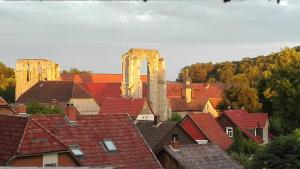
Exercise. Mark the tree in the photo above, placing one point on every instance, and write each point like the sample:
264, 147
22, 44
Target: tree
37, 108
282, 88
7, 83
175, 117
241, 96
282, 152
74, 70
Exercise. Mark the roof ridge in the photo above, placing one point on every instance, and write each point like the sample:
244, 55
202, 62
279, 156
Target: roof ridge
23, 135
144, 140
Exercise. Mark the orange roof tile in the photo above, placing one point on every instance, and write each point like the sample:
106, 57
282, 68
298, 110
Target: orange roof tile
96, 78
133, 107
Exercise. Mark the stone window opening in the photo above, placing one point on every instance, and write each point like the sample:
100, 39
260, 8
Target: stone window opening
229, 131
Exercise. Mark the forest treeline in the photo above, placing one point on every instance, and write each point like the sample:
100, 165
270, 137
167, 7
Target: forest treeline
264, 83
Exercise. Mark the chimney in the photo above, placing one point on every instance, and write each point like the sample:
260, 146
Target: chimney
20, 109
175, 142
54, 102
207, 85
71, 113
187, 88
155, 120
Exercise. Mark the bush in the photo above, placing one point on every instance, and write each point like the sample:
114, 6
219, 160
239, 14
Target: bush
37, 108
176, 117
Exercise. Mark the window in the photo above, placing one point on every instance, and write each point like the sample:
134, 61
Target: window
50, 160
229, 131
75, 149
175, 137
50, 165
109, 145
28, 72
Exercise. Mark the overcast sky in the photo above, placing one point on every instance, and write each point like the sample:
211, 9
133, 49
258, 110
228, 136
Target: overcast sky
94, 35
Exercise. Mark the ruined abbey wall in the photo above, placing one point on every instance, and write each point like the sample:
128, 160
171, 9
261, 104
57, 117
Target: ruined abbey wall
132, 84
30, 71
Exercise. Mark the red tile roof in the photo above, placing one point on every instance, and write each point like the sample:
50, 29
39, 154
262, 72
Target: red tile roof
211, 129
181, 104
133, 107
36, 139
91, 129
199, 90
11, 129
2, 102
100, 91
96, 78
215, 101
246, 121
41, 133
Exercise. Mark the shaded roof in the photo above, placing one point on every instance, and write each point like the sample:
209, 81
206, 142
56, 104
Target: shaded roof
46, 91
153, 134
246, 121
3, 102
133, 107
96, 78
202, 156
11, 129
199, 90
51, 133
211, 129
178, 104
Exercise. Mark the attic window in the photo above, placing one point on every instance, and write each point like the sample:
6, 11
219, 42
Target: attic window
76, 150
109, 145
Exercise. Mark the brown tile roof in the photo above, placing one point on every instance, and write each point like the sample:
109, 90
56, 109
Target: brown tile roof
211, 129
45, 91
205, 156
41, 133
178, 104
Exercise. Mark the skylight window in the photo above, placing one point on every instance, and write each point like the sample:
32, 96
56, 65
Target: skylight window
76, 150
109, 145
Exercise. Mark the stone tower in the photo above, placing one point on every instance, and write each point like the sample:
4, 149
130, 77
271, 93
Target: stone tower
132, 84
30, 71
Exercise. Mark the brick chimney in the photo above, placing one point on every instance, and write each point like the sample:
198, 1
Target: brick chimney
20, 109
175, 142
71, 112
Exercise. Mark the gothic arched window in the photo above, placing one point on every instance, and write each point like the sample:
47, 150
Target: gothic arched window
28, 72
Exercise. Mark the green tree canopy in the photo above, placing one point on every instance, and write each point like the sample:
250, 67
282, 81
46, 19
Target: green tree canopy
7, 83
282, 152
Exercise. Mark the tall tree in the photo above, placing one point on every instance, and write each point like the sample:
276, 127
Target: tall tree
7, 83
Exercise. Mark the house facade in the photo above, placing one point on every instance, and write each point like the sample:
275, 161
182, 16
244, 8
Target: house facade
255, 126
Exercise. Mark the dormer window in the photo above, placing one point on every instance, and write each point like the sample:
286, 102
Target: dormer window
75, 149
109, 145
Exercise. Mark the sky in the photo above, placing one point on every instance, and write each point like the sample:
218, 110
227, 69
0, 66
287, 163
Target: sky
93, 35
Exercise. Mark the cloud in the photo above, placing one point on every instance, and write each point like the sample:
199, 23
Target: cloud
94, 35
